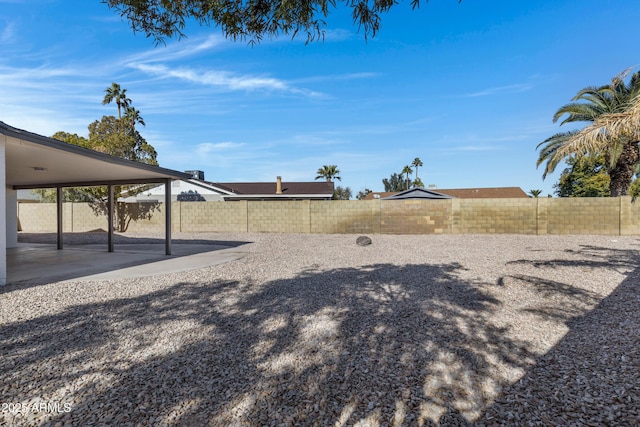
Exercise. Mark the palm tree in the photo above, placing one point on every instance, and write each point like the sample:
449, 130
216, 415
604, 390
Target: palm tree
329, 172
535, 193
417, 183
417, 163
119, 96
407, 170
614, 130
134, 116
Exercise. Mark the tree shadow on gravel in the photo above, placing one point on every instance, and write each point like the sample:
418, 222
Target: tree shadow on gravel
382, 344
597, 257
591, 376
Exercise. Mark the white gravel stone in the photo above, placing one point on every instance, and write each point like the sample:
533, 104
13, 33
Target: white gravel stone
316, 330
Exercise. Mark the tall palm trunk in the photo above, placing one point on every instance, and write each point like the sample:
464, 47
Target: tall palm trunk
622, 173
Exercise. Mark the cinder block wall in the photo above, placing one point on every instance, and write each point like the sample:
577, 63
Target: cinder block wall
629, 217
583, 216
507, 216
415, 216
609, 216
80, 218
37, 217
213, 216
345, 216
278, 216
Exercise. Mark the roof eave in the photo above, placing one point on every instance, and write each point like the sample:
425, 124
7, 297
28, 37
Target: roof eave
34, 138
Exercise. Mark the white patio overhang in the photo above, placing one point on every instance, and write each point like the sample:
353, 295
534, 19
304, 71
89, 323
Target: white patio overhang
32, 161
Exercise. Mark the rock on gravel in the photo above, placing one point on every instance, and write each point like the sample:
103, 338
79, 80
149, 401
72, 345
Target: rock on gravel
363, 241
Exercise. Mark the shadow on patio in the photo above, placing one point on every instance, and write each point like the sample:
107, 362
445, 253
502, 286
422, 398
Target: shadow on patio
85, 257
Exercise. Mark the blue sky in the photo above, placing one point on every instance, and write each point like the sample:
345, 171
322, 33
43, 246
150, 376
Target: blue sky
469, 88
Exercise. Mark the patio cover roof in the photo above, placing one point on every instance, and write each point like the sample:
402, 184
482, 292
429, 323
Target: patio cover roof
36, 161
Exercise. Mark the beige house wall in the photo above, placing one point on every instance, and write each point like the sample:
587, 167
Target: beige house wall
608, 216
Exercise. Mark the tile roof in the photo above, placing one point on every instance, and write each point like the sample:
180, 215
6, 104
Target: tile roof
419, 193
269, 188
468, 193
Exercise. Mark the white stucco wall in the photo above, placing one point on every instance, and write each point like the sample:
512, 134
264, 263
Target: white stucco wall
12, 218
3, 211
177, 187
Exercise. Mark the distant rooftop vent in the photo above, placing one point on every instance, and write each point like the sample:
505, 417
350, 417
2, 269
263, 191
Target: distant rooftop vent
432, 187
196, 174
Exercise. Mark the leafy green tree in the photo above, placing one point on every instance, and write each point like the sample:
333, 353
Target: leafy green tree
133, 115
72, 138
612, 112
395, 182
328, 172
416, 164
407, 171
117, 137
341, 193
115, 93
635, 188
585, 176
363, 194
248, 19
417, 183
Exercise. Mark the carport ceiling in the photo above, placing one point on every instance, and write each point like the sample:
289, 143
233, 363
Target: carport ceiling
34, 161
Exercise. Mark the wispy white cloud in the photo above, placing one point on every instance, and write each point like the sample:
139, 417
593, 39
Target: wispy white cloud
179, 50
155, 62
7, 33
337, 34
208, 147
48, 98
515, 88
222, 79
471, 148
313, 140
337, 77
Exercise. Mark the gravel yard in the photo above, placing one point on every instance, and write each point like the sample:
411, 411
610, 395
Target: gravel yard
315, 330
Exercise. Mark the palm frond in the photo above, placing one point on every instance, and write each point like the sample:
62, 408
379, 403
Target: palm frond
614, 113
577, 112
625, 124
549, 150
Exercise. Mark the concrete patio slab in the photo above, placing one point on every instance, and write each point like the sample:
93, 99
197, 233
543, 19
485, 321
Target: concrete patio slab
39, 263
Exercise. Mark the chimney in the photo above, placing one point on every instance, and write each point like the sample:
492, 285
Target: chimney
278, 185
196, 174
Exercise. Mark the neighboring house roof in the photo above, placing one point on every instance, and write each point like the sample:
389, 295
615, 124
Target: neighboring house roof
418, 193
466, 193
206, 185
486, 193
264, 190
196, 185
269, 188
